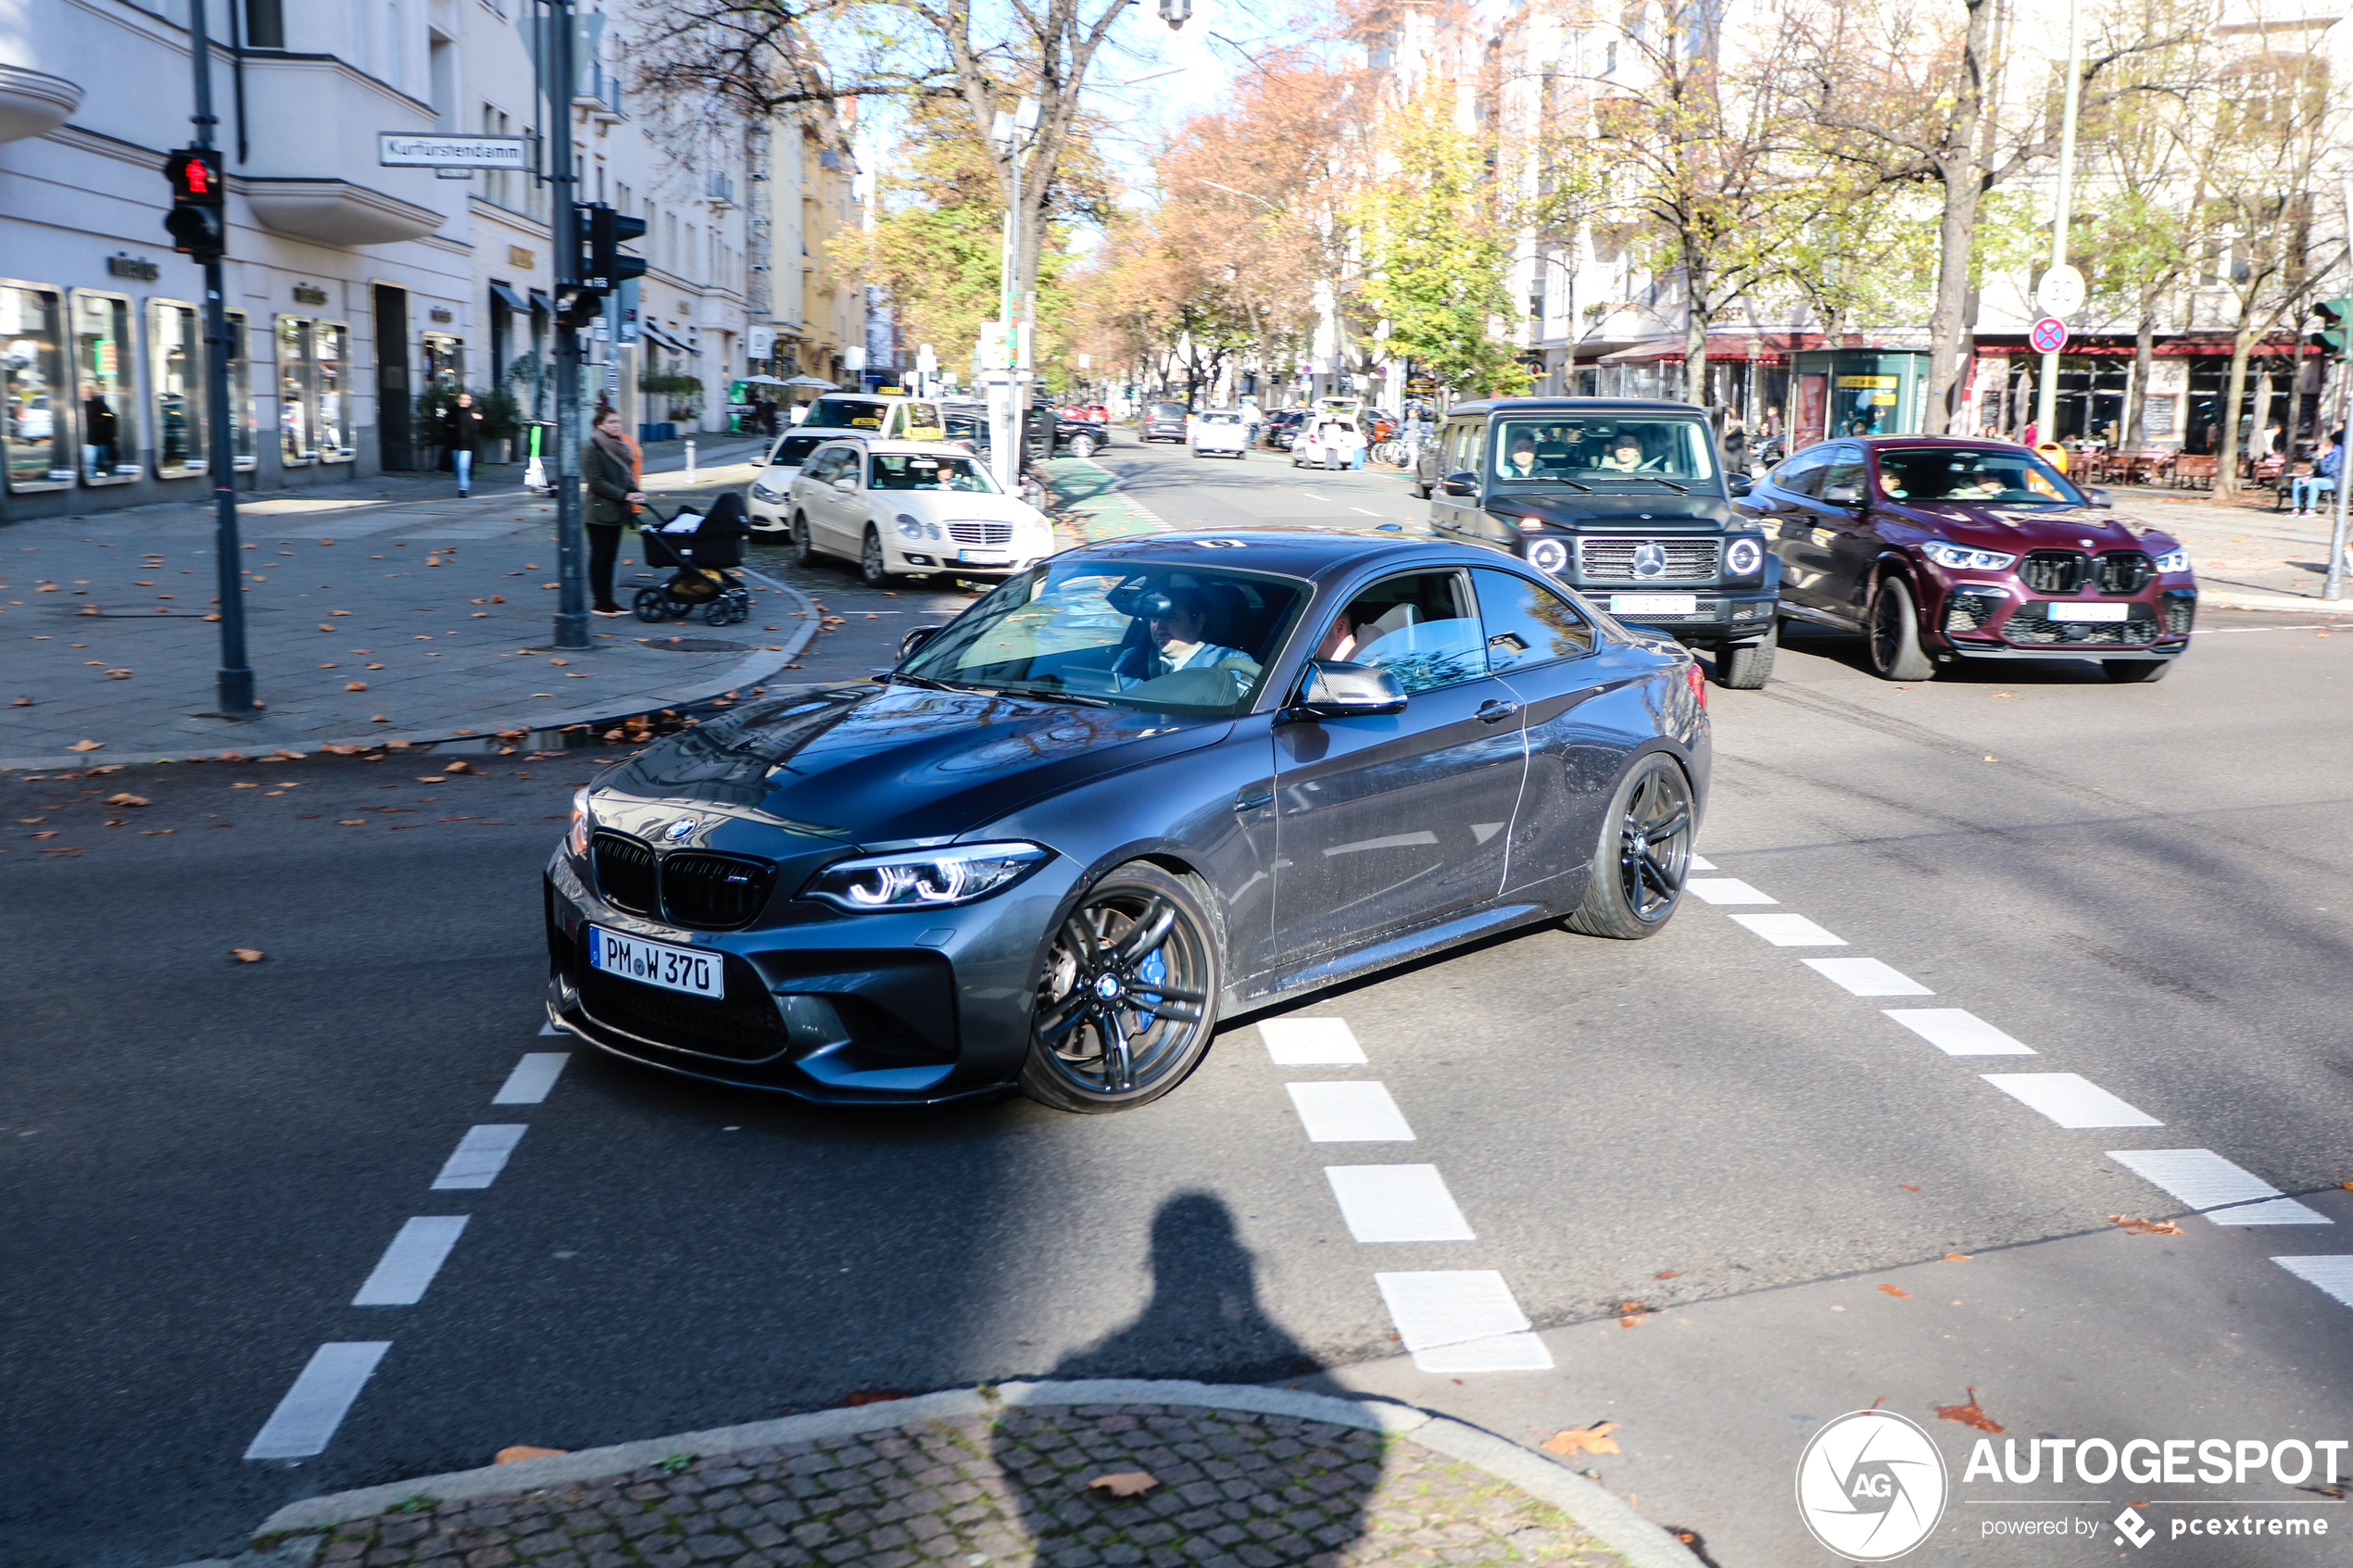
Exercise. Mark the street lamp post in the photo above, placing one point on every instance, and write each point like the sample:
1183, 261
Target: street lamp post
1006, 436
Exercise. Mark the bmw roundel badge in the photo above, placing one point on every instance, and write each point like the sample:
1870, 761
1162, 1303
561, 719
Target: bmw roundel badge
679, 828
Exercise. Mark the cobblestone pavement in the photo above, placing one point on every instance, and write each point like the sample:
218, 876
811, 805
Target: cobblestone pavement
1255, 1491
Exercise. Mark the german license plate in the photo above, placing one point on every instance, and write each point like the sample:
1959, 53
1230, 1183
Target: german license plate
985, 557
1652, 604
657, 964
2091, 612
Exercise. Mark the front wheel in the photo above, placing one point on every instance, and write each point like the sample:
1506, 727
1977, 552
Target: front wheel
801, 551
1126, 995
1082, 446
651, 605
1895, 634
1747, 666
872, 570
2124, 671
1643, 856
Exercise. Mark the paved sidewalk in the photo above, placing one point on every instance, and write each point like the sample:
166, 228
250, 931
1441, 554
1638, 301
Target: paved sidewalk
1054, 1476
385, 610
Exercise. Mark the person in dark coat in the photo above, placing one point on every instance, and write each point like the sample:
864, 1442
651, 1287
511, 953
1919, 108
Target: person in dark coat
610, 465
99, 432
460, 436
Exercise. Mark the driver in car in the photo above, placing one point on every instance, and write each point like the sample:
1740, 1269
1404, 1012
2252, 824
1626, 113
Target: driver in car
1177, 622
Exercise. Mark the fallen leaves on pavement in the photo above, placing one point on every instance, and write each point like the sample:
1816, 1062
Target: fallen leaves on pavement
1963, 1257
247, 955
2146, 1227
1125, 1483
85, 746
1970, 1414
1904, 1295
876, 1396
127, 798
525, 1451
1669, 1274
1593, 1439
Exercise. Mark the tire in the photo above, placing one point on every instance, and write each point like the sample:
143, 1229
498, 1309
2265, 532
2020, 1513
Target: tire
801, 551
1895, 634
1093, 1049
652, 606
1746, 667
2135, 672
1643, 856
1082, 446
873, 567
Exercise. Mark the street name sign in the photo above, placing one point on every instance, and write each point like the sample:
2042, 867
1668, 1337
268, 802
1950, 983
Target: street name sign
396, 149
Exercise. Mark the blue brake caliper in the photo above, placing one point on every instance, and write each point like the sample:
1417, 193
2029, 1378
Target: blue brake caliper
1153, 968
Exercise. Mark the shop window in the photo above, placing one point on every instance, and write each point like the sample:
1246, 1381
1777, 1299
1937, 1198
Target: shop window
330, 410
445, 361
105, 388
297, 442
244, 425
36, 420
175, 387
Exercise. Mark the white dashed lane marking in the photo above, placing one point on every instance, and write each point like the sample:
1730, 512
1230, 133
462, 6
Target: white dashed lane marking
2333, 1275
1728, 890
306, 1419
1397, 1203
1957, 1032
2069, 1099
2223, 1192
1790, 931
1311, 1042
410, 1264
531, 1080
479, 1157
1867, 977
1349, 1112
1702, 863
1461, 1320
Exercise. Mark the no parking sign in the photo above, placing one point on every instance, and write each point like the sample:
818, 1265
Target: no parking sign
2049, 336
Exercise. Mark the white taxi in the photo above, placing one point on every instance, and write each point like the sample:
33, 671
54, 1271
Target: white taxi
912, 508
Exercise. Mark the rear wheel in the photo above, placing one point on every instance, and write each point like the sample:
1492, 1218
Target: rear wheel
1895, 634
1126, 996
1644, 854
801, 551
1747, 666
2135, 670
872, 567
1082, 446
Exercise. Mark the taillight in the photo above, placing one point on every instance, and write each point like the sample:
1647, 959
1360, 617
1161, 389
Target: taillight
1697, 681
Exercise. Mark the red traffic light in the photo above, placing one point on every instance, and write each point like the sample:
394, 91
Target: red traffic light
195, 173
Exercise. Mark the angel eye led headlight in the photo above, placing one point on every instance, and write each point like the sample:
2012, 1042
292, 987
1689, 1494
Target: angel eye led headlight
1742, 558
2174, 560
1961, 558
1548, 556
925, 878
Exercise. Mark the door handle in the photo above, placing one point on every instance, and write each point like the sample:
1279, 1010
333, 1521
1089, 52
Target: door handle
1252, 797
1494, 710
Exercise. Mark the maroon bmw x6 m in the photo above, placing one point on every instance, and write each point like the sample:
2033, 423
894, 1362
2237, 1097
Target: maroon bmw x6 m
1941, 550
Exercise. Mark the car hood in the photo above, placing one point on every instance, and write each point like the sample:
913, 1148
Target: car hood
945, 504
1649, 509
2018, 528
875, 766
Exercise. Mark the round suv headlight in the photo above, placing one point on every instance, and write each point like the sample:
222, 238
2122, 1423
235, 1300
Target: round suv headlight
925, 878
1744, 557
1548, 556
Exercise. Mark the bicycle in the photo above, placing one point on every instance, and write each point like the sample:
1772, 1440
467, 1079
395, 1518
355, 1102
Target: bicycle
1394, 454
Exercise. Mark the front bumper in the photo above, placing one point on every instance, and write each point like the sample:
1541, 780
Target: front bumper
1998, 620
1717, 616
909, 1007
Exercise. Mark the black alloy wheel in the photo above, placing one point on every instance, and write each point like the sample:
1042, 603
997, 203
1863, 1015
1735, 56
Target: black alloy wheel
1126, 996
651, 604
872, 568
1644, 857
2123, 670
1896, 654
802, 551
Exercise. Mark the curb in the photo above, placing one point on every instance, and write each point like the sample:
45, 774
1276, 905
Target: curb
2277, 602
749, 671
1597, 1510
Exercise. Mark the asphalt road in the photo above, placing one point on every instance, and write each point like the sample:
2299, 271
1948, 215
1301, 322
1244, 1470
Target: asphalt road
2146, 885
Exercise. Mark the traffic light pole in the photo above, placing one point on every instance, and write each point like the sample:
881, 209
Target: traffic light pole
572, 543
233, 683
2332, 586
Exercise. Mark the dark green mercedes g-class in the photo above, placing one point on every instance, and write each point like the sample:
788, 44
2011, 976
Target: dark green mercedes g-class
1625, 500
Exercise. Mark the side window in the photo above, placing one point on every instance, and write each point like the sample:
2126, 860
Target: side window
1802, 472
819, 466
1527, 624
1842, 480
1465, 444
1420, 628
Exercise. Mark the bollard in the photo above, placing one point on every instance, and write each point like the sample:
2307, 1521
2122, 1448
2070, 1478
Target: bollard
690, 461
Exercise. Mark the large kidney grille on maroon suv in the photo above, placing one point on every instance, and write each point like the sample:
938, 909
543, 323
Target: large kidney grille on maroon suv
1941, 550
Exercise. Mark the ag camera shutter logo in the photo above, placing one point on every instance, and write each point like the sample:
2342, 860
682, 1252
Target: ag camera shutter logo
1870, 1486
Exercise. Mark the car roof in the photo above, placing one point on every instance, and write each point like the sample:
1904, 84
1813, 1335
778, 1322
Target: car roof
1314, 553
1575, 406
1887, 443
895, 448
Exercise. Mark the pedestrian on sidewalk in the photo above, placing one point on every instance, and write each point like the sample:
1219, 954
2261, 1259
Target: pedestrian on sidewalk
610, 467
98, 433
460, 434
2307, 489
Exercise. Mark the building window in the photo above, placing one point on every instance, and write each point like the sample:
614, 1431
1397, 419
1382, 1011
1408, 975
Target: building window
298, 441
444, 362
36, 421
175, 387
265, 24
104, 391
245, 426
330, 390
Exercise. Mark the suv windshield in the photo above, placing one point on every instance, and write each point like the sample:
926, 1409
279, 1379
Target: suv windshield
847, 413
2009, 476
1611, 447
1161, 638
793, 450
900, 470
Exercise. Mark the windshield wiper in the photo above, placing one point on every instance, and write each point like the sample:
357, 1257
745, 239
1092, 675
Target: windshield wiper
1678, 489
896, 677
1049, 694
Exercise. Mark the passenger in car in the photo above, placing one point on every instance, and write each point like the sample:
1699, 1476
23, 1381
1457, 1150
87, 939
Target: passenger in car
1625, 455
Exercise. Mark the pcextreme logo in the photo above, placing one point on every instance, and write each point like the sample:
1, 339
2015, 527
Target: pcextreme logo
1870, 1486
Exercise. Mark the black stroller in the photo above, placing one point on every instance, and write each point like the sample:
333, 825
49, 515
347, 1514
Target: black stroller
698, 557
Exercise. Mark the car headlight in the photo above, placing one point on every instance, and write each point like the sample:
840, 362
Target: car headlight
1548, 556
1960, 558
911, 525
925, 878
2174, 560
761, 492
1743, 558
584, 822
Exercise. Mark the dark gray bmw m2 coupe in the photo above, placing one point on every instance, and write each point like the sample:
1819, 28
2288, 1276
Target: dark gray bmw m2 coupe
1142, 783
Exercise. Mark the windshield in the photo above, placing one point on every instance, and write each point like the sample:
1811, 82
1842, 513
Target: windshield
1161, 638
847, 413
1165, 411
1591, 451
898, 471
1221, 417
2009, 476
794, 450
